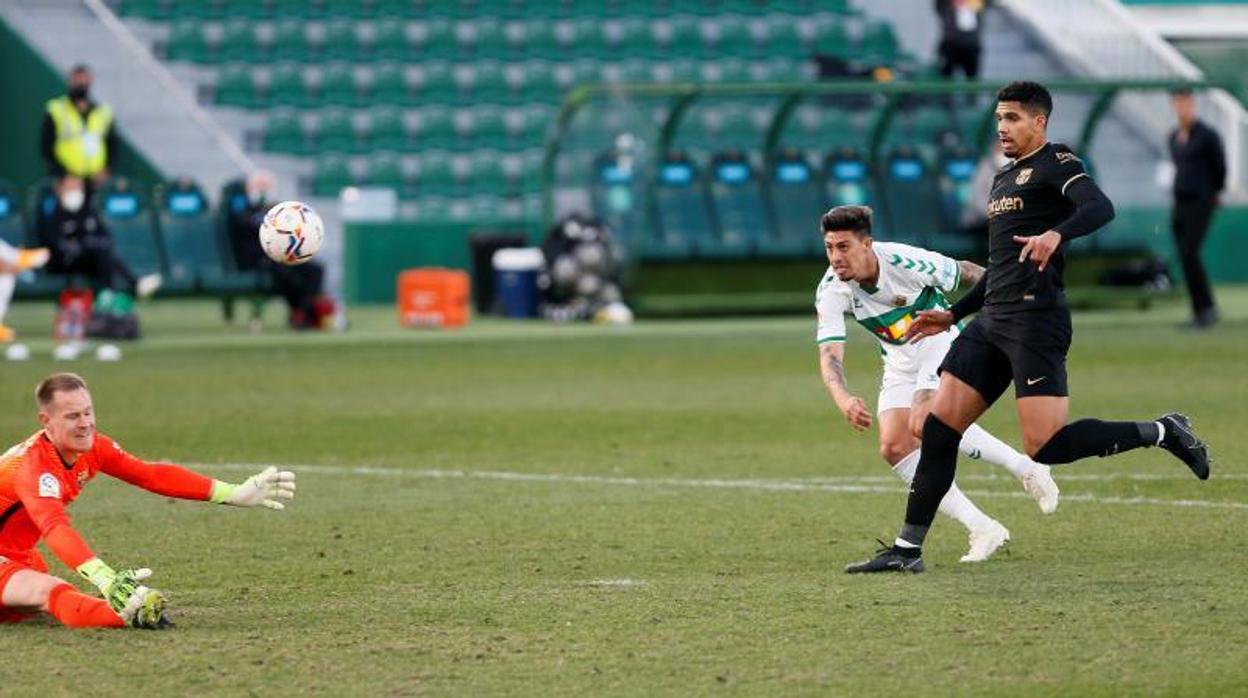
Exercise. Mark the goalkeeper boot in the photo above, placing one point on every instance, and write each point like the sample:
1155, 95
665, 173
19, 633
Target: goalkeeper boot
890, 558
1181, 441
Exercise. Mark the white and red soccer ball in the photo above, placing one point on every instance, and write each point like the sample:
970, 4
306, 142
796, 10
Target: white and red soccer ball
291, 233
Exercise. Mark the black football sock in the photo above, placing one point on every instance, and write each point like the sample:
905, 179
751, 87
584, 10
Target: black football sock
1093, 437
938, 460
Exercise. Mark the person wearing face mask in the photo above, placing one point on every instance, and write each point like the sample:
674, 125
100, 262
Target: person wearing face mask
300, 286
79, 243
79, 137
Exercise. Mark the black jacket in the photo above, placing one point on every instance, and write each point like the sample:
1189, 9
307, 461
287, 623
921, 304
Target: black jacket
1199, 164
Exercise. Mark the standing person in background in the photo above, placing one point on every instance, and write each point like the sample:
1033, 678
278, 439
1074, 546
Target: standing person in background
78, 135
961, 29
1199, 175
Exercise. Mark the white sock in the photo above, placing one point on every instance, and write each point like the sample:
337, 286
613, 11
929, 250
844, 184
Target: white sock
978, 443
1161, 428
6, 292
8, 253
955, 504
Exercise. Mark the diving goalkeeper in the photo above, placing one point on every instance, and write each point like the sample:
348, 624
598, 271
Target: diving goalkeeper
42, 475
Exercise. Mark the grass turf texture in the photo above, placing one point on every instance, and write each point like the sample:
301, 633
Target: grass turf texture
390, 581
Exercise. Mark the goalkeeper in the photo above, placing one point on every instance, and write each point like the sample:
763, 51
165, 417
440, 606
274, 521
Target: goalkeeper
42, 475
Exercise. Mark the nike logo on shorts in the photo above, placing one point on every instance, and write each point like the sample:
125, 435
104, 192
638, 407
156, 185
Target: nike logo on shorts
1033, 381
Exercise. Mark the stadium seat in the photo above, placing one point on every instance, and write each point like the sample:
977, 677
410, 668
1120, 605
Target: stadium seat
186, 42
435, 84
236, 88
878, 44
332, 174
911, 197
485, 174
384, 170
740, 213
849, 179
287, 87
390, 86
796, 198
291, 41
249, 9
335, 133
240, 43
338, 88
386, 130
435, 176
339, 42
191, 245
617, 195
126, 214
385, 42
435, 129
682, 211
283, 133
956, 170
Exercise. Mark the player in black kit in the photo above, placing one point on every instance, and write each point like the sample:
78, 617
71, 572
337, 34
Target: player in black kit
1022, 330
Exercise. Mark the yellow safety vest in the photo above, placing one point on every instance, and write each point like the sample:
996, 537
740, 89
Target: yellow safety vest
80, 147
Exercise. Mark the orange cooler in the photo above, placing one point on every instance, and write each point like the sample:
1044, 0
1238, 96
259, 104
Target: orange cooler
433, 297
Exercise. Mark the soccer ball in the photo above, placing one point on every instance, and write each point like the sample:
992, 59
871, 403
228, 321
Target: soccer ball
291, 233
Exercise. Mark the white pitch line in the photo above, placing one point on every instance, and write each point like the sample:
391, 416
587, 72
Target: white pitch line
767, 485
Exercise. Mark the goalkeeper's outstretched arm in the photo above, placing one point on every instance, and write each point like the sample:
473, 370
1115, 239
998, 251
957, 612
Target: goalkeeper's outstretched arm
269, 488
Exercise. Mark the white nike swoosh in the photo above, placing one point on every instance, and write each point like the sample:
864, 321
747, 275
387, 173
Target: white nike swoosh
1033, 381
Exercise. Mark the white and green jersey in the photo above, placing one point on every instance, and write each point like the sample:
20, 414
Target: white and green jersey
911, 279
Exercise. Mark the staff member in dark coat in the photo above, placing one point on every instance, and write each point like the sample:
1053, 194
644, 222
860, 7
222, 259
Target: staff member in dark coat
1199, 175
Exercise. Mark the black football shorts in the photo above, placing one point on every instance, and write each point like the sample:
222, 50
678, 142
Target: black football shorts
1027, 348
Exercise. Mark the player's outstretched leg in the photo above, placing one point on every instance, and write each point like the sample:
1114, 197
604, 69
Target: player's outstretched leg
986, 534
1036, 478
1093, 437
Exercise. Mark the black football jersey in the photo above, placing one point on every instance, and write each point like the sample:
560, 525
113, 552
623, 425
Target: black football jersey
1028, 198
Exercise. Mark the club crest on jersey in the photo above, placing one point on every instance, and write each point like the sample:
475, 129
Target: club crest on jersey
899, 301
82, 478
49, 486
1023, 176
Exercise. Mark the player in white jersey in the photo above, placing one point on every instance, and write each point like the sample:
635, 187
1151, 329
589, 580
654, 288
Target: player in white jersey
884, 286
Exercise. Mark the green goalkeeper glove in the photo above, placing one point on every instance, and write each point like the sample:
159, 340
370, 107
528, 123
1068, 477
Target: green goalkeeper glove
122, 590
262, 489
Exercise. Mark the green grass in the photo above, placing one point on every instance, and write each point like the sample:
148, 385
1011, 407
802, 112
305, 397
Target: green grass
390, 581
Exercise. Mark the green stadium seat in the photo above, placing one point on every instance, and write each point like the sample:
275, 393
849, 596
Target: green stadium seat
335, 133
676, 37
291, 41
302, 9
480, 38
479, 82
436, 84
911, 196
485, 174
744, 7
250, 9
236, 88
390, 86
126, 214
725, 70
849, 180
432, 39
338, 87
794, 192
955, 170
157, 10
682, 211
187, 42
386, 130
783, 37
576, 37
620, 39
387, 42
674, 72
384, 170
736, 196
283, 133
350, 9
435, 176
538, 38
195, 260
287, 87
333, 173
339, 42
728, 35
202, 10
435, 129
831, 38
240, 43
878, 44
486, 128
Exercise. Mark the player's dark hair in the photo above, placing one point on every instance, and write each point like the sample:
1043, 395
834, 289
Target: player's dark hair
853, 218
80, 68
1032, 95
57, 383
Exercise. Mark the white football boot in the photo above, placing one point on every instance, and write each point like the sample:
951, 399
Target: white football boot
986, 541
1038, 482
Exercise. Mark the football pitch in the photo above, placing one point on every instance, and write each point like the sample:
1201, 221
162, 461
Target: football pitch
662, 509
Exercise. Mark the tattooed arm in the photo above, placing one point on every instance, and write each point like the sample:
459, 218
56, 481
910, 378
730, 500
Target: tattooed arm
971, 273
832, 368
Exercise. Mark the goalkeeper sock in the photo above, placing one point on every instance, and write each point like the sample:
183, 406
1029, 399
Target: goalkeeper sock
77, 610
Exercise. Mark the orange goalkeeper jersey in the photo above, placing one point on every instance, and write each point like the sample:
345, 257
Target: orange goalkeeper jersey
36, 486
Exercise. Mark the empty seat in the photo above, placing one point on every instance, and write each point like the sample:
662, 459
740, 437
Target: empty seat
682, 211
333, 173
283, 133
126, 214
796, 199
736, 196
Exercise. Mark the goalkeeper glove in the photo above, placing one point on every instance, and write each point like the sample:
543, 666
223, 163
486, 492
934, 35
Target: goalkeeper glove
121, 589
262, 489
